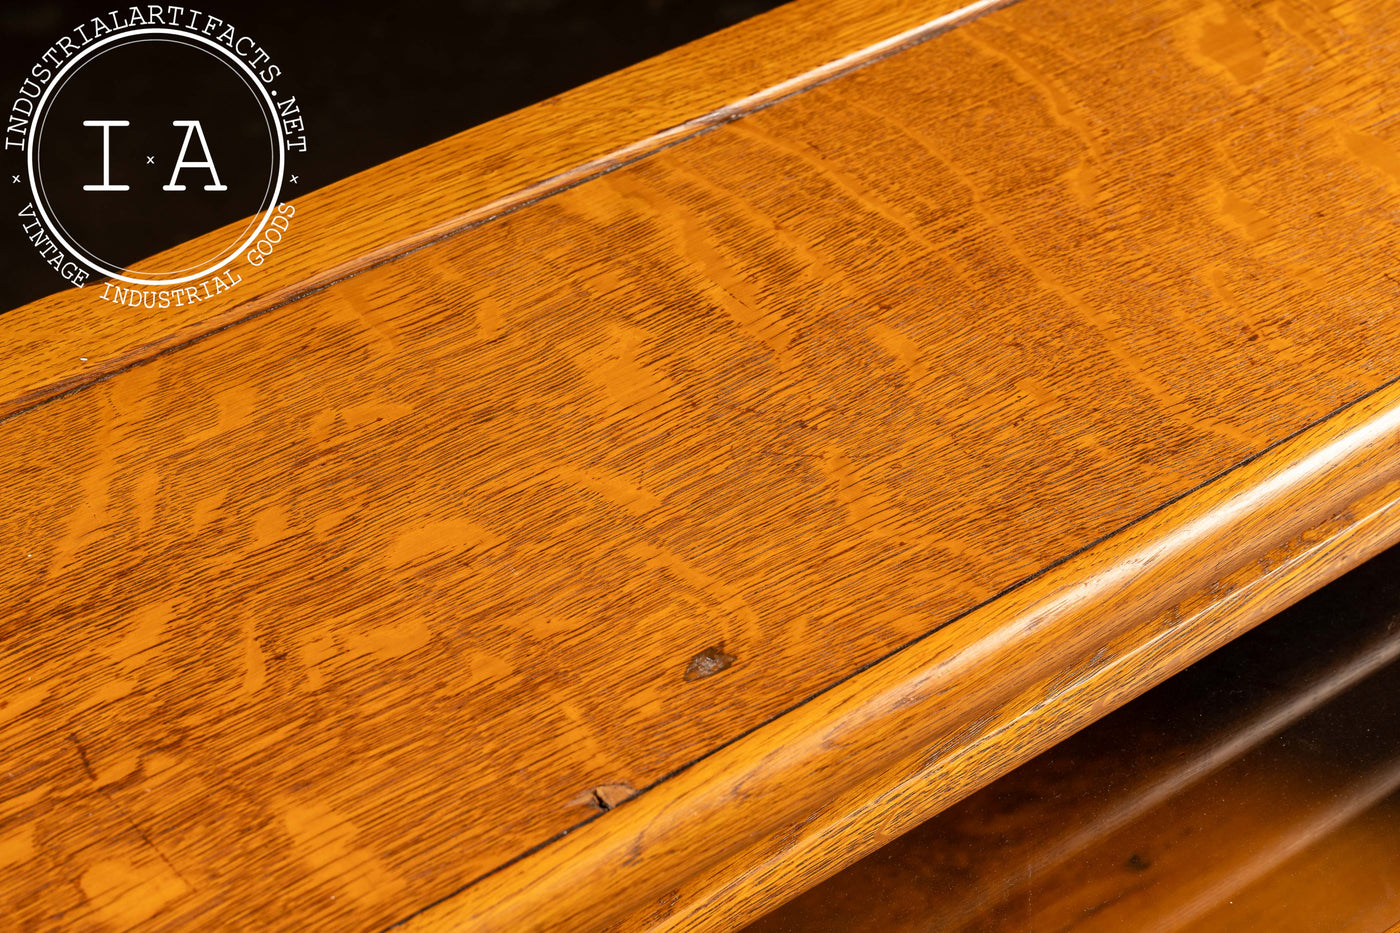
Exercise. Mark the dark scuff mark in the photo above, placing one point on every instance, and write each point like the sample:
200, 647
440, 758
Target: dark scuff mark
709, 663
135, 827
82, 756
1138, 863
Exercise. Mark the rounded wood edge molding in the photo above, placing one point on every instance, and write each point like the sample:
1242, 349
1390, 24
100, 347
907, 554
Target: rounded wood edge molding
73, 338
966, 702
856, 822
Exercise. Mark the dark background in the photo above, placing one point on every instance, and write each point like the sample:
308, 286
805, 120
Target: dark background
376, 80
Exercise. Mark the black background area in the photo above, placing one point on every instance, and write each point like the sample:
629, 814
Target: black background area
376, 80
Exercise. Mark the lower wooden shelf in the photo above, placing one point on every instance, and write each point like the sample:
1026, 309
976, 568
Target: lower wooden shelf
1257, 790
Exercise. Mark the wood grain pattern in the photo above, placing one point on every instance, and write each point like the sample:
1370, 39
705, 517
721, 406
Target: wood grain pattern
1233, 797
74, 338
956, 400
894, 801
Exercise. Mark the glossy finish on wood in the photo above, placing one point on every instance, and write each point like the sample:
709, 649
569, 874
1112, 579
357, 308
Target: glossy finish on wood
646, 554
1255, 791
73, 339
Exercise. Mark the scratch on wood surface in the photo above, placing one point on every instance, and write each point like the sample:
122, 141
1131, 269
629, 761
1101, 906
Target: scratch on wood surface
709, 663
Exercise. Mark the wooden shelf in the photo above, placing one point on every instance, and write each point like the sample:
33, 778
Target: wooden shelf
631, 512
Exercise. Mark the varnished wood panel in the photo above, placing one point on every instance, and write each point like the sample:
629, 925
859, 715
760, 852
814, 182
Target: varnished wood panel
1256, 791
723, 500
74, 338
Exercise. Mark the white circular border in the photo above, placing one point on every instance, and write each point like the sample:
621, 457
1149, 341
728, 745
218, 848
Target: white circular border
89, 257
52, 228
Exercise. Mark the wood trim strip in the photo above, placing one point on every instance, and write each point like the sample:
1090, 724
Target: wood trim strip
962, 705
74, 338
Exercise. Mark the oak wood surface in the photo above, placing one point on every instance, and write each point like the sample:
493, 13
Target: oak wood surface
965, 756
667, 538
71, 339
1239, 795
